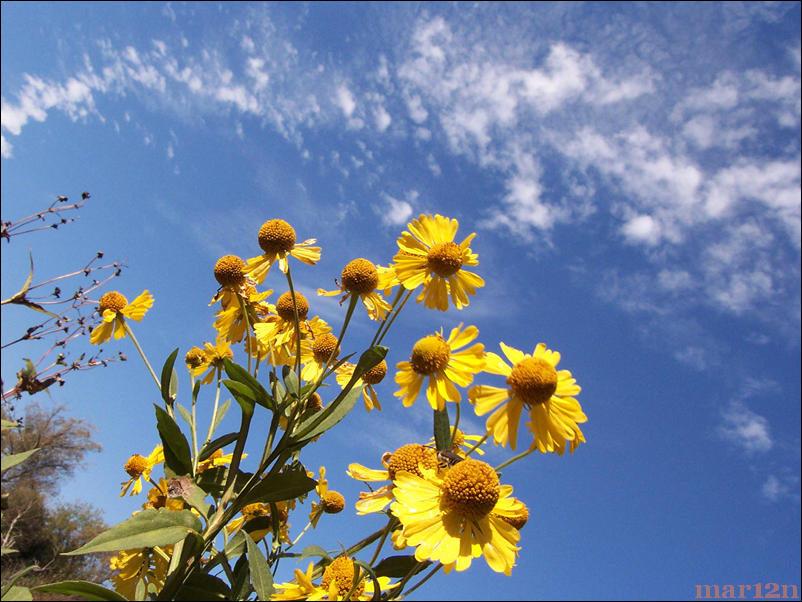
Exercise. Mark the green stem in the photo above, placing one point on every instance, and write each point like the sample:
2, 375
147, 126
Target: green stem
243, 308
381, 543
214, 410
456, 423
428, 576
349, 312
297, 328
194, 432
395, 315
142, 353
478, 443
514, 459
401, 290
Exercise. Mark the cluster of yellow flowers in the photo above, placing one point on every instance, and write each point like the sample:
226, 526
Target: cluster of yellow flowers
439, 499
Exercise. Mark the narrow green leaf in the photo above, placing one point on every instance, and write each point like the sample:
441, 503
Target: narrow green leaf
235, 546
241, 587
220, 413
5, 551
169, 389
398, 566
242, 395
12, 460
9, 424
145, 529
14, 578
177, 457
368, 360
279, 487
201, 587
184, 413
16, 593
261, 578
85, 590
214, 480
211, 447
240, 374
442, 430
331, 415
313, 550
290, 380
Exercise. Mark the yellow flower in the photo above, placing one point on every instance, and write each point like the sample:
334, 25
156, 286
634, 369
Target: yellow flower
140, 570
115, 308
315, 355
437, 359
413, 457
217, 458
372, 377
277, 240
534, 383
230, 323
331, 502
275, 334
429, 256
360, 277
456, 516
214, 356
195, 358
336, 583
139, 467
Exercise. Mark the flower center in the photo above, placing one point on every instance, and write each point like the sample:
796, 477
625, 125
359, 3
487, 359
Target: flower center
284, 307
333, 502
445, 258
195, 357
376, 374
229, 271
471, 489
407, 457
341, 573
276, 236
430, 354
323, 347
113, 300
360, 276
519, 520
534, 380
251, 511
136, 465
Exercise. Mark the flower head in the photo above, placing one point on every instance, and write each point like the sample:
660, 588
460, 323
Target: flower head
429, 256
114, 308
139, 467
360, 277
336, 583
331, 502
534, 383
277, 240
438, 360
142, 565
372, 377
455, 515
213, 360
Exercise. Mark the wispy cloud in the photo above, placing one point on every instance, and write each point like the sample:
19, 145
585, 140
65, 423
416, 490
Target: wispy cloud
745, 429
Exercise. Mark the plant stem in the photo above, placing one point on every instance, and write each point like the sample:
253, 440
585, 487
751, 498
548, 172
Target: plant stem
514, 459
141, 353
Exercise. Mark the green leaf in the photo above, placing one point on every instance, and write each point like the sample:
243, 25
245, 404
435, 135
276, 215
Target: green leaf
201, 586
184, 413
241, 586
313, 550
177, 458
145, 529
442, 430
220, 413
279, 487
368, 360
8, 461
398, 566
290, 380
332, 414
211, 447
242, 395
10, 424
241, 375
261, 578
15, 592
214, 480
85, 590
5, 551
169, 381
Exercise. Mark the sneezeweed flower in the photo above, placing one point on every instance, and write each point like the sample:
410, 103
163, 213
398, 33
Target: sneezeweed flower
336, 583
114, 308
277, 240
413, 457
533, 383
331, 502
217, 458
438, 360
276, 334
231, 322
360, 277
215, 354
456, 515
429, 256
316, 353
195, 358
139, 467
372, 377
141, 571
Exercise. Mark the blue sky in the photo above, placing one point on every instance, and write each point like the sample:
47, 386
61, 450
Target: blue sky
632, 172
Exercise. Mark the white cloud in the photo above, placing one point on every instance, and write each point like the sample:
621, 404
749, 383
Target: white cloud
745, 429
397, 212
383, 119
6, 147
345, 100
642, 228
776, 488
